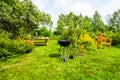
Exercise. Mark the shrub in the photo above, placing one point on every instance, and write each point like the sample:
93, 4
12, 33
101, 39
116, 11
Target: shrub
114, 35
86, 43
80, 39
116, 39
12, 47
26, 36
4, 35
4, 53
44, 32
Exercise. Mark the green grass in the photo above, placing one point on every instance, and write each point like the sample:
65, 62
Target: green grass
44, 64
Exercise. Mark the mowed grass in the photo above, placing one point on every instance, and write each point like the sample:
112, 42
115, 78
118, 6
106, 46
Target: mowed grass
43, 63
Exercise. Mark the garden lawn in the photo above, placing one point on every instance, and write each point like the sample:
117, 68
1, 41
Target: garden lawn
44, 64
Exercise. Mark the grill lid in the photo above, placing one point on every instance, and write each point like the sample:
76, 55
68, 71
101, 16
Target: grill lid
64, 43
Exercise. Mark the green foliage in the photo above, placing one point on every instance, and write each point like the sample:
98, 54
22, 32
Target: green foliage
26, 36
60, 24
116, 38
4, 53
114, 35
22, 17
67, 34
114, 21
87, 24
97, 23
80, 39
114, 27
55, 37
4, 35
9, 47
44, 32
69, 20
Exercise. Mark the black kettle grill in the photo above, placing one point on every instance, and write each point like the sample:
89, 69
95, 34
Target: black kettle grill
64, 44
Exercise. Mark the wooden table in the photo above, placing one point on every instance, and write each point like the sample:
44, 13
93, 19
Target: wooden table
41, 41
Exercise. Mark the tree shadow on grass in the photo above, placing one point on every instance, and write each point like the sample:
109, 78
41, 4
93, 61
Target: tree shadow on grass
54, 55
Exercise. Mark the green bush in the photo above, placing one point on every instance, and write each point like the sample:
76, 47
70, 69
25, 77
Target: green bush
80, 39
4, 35
114, 35
12, 47
4, 53
55, 37
116, 39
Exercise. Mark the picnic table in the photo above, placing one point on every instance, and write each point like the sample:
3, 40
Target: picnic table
42, 41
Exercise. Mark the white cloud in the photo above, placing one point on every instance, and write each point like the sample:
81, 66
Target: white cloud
84, 8
109, 9
60, 3
66, 6
39, 4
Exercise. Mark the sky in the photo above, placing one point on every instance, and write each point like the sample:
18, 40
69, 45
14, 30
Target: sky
85, 7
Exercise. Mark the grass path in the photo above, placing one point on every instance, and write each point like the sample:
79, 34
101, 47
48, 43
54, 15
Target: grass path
44, 64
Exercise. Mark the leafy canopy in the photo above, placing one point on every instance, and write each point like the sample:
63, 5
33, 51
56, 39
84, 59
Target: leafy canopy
21, 17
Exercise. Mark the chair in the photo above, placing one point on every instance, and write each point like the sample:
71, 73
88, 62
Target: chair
108, 41
104, 41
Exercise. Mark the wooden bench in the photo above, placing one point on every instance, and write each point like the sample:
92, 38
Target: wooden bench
104, 41
41, 41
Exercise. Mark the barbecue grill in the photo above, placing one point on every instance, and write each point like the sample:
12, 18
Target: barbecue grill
64, 44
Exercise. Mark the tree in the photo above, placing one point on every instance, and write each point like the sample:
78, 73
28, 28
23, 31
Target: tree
114, 21
44, 32
21, 17
70, 20
87, 24
60, 24
97, 23
81, 21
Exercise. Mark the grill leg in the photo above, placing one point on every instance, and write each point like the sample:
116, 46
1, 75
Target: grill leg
59, 50
64, 55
